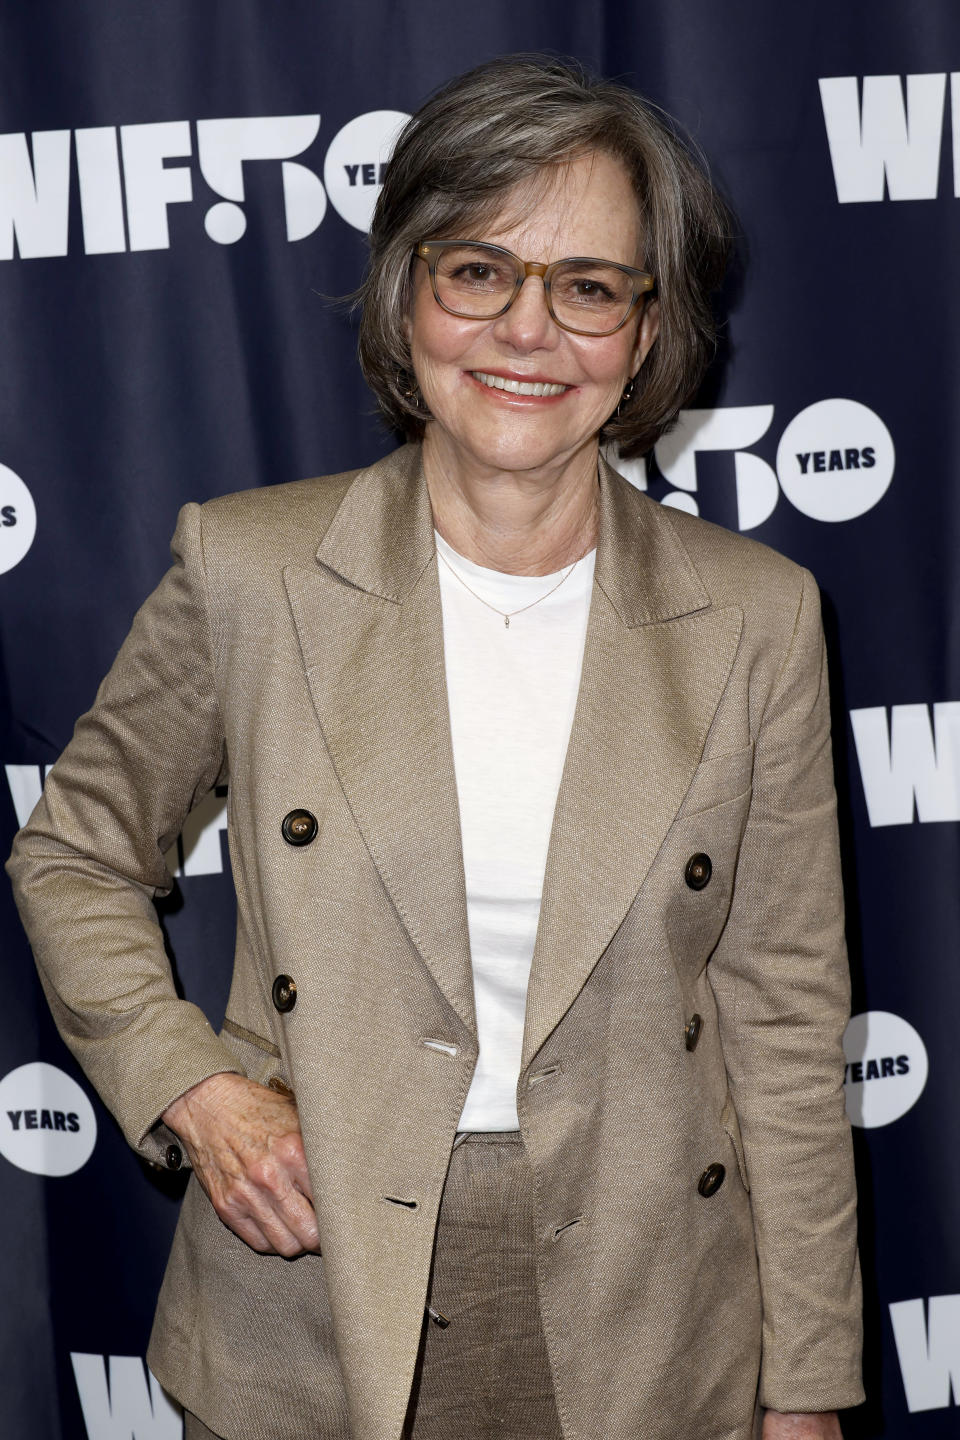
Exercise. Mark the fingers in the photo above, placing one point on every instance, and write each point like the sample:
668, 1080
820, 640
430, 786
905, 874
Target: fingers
269, 1238
245, 1145
264, 1207
296, 1166
278, 1203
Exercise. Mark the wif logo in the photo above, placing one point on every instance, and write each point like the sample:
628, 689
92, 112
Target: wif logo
127, 186
886, 1068
884, 142
47, 1124
18, 519
131, 1404
835, 460
910, 767
928, 1348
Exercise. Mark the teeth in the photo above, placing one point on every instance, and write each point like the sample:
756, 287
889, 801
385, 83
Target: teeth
518, 387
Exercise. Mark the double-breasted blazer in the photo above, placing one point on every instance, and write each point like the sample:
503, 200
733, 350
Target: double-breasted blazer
688, 990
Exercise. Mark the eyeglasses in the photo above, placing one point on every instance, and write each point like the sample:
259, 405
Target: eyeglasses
478, 281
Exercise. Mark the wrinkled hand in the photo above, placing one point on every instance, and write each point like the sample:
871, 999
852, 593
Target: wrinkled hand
801, 1427
245, 1145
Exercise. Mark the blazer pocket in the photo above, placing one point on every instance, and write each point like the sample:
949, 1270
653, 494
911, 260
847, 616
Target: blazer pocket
730, 1123
259, 1058
718, 779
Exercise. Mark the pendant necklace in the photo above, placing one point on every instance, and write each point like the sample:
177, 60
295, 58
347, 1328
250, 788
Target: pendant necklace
507, 615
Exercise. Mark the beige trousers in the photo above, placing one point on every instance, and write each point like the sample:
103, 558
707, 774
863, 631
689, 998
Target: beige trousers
485, 1374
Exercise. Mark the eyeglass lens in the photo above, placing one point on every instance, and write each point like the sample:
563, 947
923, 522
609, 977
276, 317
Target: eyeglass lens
475, 281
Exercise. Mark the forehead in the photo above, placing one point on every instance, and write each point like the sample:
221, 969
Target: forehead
585, 206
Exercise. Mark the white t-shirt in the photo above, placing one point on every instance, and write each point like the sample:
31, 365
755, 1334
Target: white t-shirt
512, 693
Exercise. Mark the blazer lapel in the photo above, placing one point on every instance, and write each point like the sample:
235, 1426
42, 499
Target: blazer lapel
656, 660
371, 634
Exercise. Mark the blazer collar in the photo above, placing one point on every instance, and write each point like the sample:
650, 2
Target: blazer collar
642, 566
381, 541
381, 538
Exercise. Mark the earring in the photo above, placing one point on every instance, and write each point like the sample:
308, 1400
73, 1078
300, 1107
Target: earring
409, 389
627, 395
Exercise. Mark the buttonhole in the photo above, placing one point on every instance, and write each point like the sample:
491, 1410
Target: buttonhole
543, 1075
409, 1204
566, 1226
441, 1045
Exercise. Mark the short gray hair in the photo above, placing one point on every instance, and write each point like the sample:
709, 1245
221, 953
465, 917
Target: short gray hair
501, 123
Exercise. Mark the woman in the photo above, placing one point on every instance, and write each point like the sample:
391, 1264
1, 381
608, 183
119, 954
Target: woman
574, 1019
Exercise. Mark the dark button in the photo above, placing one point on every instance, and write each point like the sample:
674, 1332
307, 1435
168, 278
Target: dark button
284, 993
698, 871
691, 1033
299, 827
711, 1180
174, 1157
280, 1086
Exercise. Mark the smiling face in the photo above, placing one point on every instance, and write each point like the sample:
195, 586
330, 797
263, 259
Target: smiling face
518, 392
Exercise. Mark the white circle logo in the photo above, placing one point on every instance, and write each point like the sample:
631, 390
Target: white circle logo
18, 519
886, 1068
47, 1124
354, 167
835, 460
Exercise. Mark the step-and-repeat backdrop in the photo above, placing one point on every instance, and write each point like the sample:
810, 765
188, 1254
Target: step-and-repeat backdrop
184, 193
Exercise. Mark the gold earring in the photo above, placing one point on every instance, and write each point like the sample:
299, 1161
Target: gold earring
409, 389
627, 396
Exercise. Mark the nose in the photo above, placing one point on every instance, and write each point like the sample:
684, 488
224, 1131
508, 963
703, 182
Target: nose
528, 324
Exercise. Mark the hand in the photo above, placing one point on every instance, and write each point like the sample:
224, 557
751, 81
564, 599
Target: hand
777, 1426
245, 1145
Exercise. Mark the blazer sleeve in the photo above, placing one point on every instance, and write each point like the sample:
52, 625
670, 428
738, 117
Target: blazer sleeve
90, 860
781, 980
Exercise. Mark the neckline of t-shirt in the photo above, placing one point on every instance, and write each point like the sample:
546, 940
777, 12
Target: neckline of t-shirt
505, 581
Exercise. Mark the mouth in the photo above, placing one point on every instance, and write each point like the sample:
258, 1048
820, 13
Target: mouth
541, 388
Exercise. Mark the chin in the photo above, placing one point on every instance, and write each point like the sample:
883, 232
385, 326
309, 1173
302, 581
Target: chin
521, 447
522, 456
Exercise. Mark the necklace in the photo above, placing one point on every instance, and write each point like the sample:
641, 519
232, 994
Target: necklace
507, 615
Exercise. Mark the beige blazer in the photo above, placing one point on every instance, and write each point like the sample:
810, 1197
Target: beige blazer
673, 1026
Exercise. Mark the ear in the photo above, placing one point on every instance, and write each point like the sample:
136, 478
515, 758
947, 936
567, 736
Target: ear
417, 279
647, 332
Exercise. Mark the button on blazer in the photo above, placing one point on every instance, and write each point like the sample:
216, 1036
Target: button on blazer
680, 1096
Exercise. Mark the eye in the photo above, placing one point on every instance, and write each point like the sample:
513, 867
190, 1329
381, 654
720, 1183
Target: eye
468, 268
478, 272
592, 285
588, 290
592, 290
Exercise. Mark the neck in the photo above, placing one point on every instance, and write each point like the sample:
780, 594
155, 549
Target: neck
524, 522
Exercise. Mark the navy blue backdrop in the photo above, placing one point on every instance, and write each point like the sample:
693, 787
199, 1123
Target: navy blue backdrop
183, 189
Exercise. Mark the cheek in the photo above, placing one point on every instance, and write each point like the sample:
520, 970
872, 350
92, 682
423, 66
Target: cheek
435, 337
608, 362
